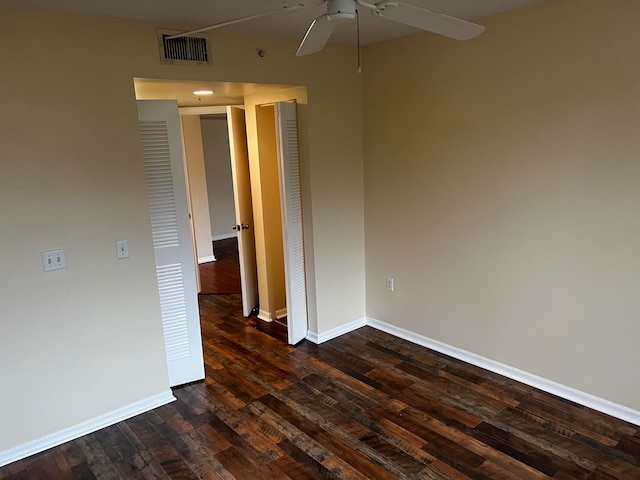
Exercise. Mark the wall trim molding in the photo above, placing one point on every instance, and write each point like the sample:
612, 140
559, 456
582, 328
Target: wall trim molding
208, 259
265, 316
549, 386
319, 338
568, 393
203, 110
223, 236
281, 313
312, 337
84, 428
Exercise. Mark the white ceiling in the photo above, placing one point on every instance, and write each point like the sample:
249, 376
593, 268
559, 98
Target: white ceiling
225, 93
290, 24
191, 14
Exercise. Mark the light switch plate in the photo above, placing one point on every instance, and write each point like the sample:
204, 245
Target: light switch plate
122, 248
53, 260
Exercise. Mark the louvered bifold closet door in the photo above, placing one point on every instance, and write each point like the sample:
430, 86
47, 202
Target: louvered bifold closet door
291, 202
171, 231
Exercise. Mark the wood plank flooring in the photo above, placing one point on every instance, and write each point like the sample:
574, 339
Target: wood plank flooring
223, 275
363, 406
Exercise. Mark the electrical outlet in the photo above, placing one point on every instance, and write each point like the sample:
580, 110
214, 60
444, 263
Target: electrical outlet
390, 284
53, 260
122, 248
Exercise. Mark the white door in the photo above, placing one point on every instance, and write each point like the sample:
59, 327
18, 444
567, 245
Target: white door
175, 264
244, 211
292, 226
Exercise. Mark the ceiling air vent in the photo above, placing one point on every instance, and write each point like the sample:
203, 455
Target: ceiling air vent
194, 49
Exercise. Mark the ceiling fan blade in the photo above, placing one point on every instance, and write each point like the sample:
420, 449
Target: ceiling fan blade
317, 36
427, 20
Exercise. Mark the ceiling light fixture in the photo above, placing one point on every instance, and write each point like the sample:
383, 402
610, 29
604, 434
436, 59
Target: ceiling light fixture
203, 92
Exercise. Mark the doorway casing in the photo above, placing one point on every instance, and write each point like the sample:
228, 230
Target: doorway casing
297, 94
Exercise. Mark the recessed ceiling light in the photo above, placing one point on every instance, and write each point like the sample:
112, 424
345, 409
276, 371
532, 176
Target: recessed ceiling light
203, 92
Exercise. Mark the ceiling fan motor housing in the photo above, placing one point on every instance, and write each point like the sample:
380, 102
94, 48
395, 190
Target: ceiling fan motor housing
341, 9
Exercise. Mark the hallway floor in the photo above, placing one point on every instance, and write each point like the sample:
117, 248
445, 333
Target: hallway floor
223, 275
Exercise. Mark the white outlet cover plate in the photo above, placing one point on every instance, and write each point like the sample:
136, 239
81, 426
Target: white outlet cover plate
390, 284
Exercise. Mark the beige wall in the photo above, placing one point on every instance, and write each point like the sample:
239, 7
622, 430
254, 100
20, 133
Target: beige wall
197, 181
502, 191
79, 342
332, 188
272, 292
84, 341
217, 162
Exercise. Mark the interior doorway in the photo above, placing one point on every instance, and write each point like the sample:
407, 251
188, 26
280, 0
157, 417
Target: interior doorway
268, 205
226, 162
251, 136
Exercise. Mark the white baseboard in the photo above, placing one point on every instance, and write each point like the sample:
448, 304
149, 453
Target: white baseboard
319, 338
265, 316
84, 428
206, 259
223, 236
549, 386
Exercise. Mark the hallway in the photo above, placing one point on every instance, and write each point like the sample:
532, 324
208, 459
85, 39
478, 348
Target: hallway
222, 279
223, 275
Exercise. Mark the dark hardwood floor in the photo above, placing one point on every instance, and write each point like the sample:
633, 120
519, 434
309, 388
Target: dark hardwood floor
362, 406
223, 275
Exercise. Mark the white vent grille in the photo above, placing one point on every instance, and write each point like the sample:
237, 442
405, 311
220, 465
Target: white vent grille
173, 306
192, 49
157, 167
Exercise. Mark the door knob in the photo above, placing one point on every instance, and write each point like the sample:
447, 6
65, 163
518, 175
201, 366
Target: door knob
245, 226
235, 227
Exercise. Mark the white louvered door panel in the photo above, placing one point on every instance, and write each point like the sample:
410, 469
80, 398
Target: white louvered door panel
161, 140
173, 306
291, 200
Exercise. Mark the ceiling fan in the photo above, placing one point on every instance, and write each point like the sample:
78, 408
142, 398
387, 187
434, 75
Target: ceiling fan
339, 11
